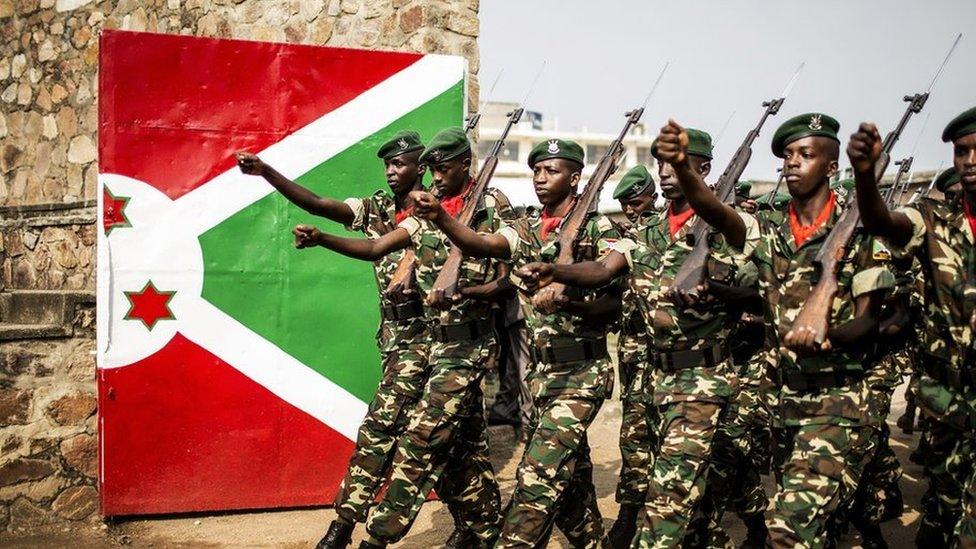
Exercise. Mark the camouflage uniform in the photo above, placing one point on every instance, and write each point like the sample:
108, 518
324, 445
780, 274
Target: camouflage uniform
402, 339
824, 400
447, 433
689, 395
943, 243
571, 377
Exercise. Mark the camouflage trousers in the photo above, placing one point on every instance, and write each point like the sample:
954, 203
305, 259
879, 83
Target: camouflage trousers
404, 373
446, 437
679, 471
948, 466
740, 455
638, 436
820, 475
555, 478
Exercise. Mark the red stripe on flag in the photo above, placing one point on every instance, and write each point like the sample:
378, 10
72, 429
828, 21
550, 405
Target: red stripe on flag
174, 109
183, 431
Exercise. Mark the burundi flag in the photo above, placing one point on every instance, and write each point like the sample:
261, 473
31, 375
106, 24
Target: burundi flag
233, 369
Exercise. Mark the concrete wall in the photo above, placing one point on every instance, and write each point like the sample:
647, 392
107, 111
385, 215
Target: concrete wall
48, 176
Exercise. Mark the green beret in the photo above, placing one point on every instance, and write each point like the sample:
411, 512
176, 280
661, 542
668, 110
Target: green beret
447, 144
805, 125
403, 142
743, 188
556, 148
960, 126
699, 144
780, 201
845, 185
947, 179
634, 183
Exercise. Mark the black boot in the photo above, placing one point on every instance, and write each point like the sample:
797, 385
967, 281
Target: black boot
894, 503
338, 536
461, 538
366, 544
756, 532
624, 528
871, 537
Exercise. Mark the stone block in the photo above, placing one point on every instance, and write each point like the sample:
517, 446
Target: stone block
76, 503
72, 409
81, 454
24, 469
14, 406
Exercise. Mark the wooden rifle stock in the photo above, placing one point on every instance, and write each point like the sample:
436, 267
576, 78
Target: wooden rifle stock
447, 279
692, 270
815, 313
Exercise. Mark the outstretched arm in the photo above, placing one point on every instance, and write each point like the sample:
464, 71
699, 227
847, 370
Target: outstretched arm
864, 149
367, 249
470, 242
586, 274
672, 147
305, 199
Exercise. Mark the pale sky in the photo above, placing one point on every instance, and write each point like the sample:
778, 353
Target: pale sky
861, 57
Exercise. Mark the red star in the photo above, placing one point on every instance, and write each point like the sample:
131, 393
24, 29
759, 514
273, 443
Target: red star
114, 211
149, 305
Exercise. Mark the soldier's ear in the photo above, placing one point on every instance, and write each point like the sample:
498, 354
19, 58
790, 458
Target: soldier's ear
421, 170
706, 168
832, 168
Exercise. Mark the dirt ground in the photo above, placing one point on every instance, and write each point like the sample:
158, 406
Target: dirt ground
302, 528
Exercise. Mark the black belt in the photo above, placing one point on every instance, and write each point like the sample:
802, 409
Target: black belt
673, 361
938, 369
635, 325
402, 311
463, 331
815, 381
561, 351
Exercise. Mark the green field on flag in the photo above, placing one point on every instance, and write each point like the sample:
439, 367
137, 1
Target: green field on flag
316, 305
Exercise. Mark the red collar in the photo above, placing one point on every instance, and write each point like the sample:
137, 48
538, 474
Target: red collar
802, 233
676, 221
453, 204
969, 215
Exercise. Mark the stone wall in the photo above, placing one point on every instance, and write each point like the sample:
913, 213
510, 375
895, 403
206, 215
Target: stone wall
48, 182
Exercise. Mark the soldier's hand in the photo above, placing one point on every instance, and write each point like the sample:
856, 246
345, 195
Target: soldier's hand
439, 299
535, 275
425, 205
749, 206
549, 300
802, 340
306, 236
250, 163
401, 291
864, 148
672, 144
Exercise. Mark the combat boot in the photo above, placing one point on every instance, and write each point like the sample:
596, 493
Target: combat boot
338, 536
366, 544
624, 528
756, 532
461, 538
871, 537
894, 502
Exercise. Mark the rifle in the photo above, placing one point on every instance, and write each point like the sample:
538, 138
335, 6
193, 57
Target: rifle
447, 278
471, 122
779, 182
692, 270
922, 194
403, 279
897, 188
815, 313
572, 229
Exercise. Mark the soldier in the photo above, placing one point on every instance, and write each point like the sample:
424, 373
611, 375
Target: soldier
402, 335
824, 400
572, 374
638, 440
939, 233
693, 371
447, 433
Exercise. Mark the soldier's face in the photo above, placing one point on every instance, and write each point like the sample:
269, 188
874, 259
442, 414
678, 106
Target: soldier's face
808, 163
403, 171
634, 207
669, 181
964, 159
450, 176
555, 180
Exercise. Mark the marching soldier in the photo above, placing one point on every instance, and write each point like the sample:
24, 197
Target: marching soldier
447, 433
638, 438
572, 375
824, 400
939, 233
694, 375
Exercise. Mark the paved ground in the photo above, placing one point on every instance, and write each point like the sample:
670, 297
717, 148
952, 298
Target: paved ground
301, 528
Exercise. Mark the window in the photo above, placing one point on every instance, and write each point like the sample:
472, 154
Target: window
509, 152
644, 156
595, 152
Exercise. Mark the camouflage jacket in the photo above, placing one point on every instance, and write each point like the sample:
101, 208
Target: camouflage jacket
432, 248
654, 259
786, 277
586, 379
944, 245
375, 216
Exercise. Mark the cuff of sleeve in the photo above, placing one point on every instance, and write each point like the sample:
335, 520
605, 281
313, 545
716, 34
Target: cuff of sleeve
753, 233
412, 226
511, 235
624, 247
918, 234
869, 280
359, 213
